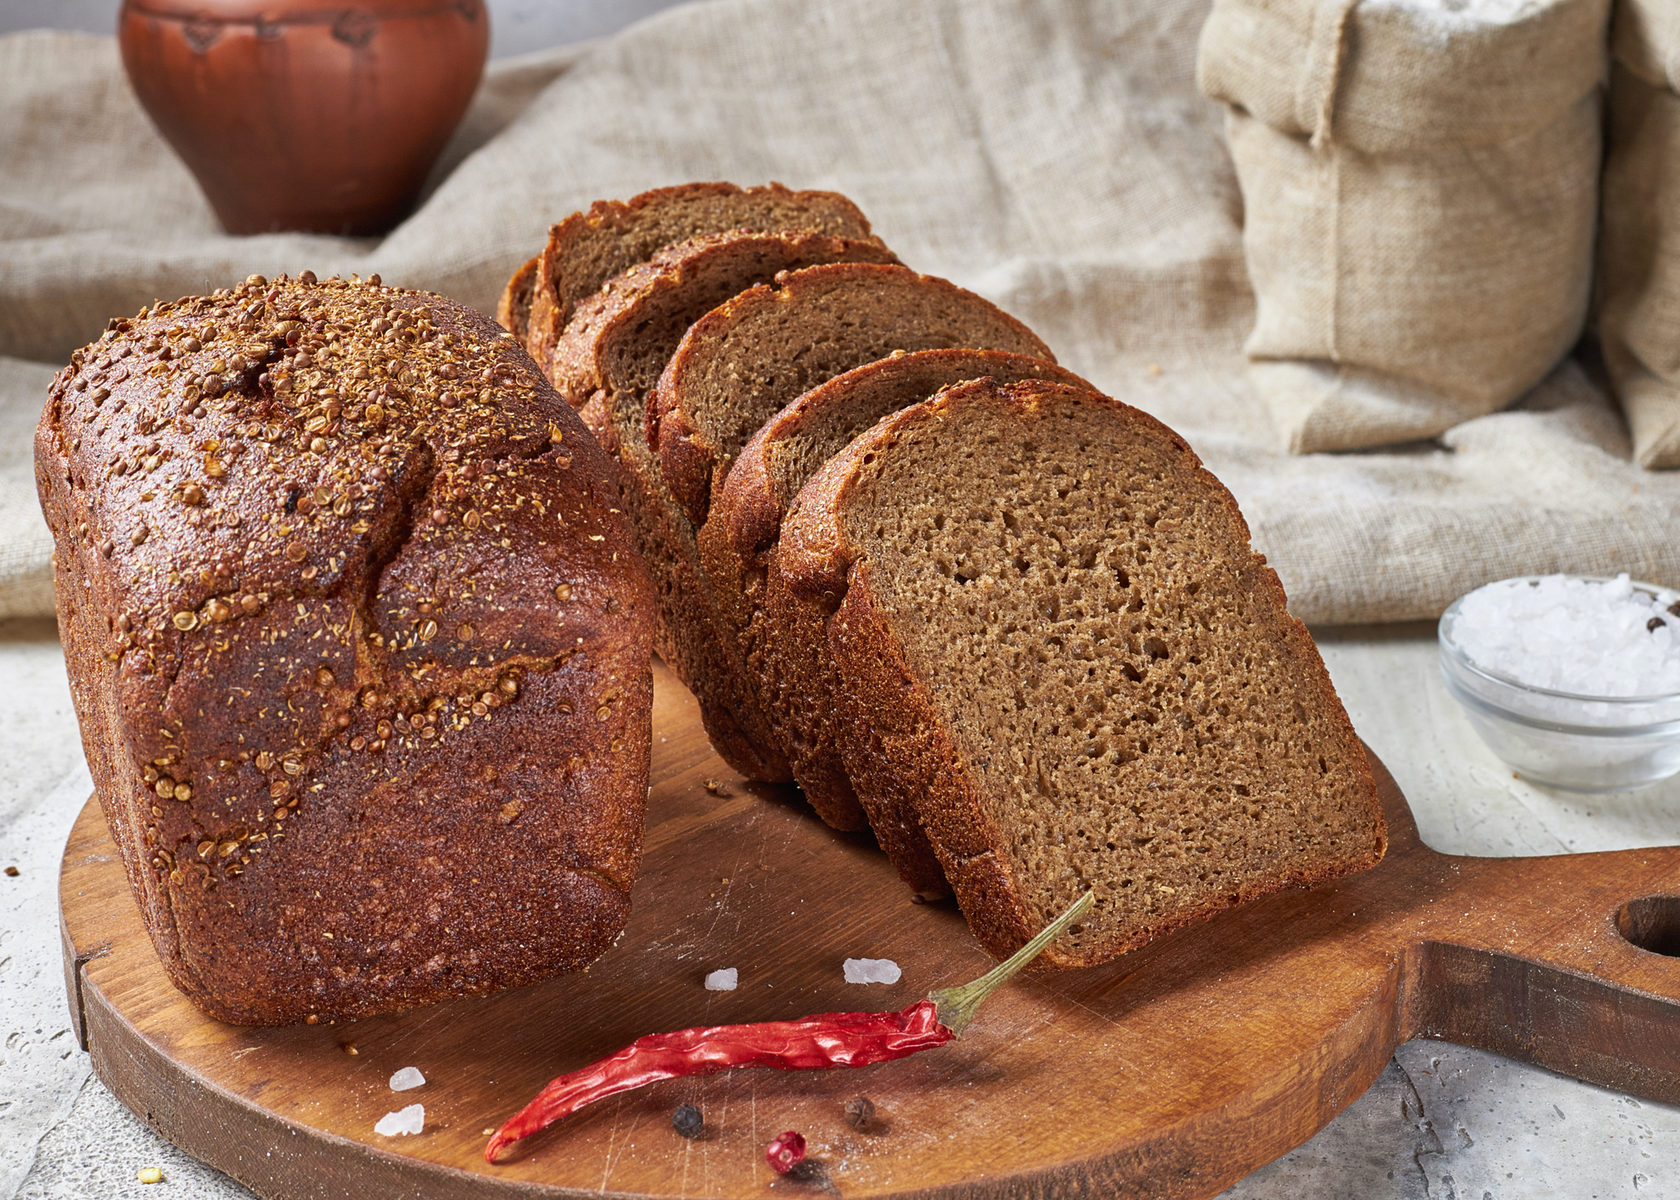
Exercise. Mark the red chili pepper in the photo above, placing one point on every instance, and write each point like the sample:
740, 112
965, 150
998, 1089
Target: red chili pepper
847, 1039
786, 1152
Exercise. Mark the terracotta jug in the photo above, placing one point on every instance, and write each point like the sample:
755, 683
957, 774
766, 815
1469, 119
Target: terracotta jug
306, 114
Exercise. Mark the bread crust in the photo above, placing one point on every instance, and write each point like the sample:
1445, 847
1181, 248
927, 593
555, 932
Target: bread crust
300, 530
782, 640
596, 364
586, 249
513, 310
893, 738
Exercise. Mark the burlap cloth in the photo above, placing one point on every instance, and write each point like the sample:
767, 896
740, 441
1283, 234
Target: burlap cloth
1054, 156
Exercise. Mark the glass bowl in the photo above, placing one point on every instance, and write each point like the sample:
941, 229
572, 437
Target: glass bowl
1565, 740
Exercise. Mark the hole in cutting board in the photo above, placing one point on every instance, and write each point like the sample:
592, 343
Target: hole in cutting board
1652, 923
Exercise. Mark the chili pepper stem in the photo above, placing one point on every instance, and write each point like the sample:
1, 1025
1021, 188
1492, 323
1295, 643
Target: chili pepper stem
956, 1005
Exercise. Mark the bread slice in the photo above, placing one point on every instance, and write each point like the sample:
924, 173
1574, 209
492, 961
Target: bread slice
738, 544
1057, 646
513, 310
747, 359
609, 359
588, 248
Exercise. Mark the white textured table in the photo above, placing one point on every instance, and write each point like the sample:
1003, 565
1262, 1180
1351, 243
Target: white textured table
1443, 1122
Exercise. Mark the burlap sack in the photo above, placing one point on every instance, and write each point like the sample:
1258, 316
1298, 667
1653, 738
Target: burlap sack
1639, 240
1420, 190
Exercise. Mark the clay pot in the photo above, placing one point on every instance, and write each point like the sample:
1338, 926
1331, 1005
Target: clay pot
306, 114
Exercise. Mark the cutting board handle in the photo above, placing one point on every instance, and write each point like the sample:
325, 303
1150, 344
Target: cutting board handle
1571, 962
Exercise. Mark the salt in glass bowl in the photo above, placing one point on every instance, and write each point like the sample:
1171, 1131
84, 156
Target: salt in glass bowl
1562, 739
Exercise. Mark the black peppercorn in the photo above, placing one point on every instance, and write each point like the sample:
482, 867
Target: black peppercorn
688, 1121
1654, 624
860, 1112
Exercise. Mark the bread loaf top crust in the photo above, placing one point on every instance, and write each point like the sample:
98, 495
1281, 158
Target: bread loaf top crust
327, 553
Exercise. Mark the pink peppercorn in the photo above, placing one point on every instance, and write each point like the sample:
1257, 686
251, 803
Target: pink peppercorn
786, 1152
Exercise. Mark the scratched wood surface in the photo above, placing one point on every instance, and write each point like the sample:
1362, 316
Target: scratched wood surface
1170, 1073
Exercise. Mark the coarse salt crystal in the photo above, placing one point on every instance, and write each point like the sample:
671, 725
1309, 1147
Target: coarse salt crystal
408, 1077
405, 1120
723, 980
872, 970
1589, 637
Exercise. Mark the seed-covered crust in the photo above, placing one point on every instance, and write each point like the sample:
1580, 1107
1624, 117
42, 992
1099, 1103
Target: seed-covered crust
607, 363
513, 310
782, 639
358, 644
587, 249
746, 360
1106, 691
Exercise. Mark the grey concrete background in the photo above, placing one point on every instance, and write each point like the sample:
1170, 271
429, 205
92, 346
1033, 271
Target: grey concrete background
516, 26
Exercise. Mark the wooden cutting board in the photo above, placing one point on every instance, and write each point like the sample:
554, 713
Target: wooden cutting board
1170, 1073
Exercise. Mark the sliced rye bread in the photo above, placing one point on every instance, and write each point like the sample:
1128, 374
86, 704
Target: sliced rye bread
1057, 646
748, 359
587, 249
513, 310
738, 548
610, 357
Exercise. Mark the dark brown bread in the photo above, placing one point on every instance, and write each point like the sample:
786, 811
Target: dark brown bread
513, 310
607, 362
359, 649
588, 248
746, 360
738, 547
1057, 646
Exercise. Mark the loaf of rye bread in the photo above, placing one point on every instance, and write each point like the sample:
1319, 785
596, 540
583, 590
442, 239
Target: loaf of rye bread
359, 647
1056, 647
607, 362
588, 248
738, 547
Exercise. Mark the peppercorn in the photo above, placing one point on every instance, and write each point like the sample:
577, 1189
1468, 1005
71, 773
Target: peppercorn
688, 1121
786, 1152
860, 1112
